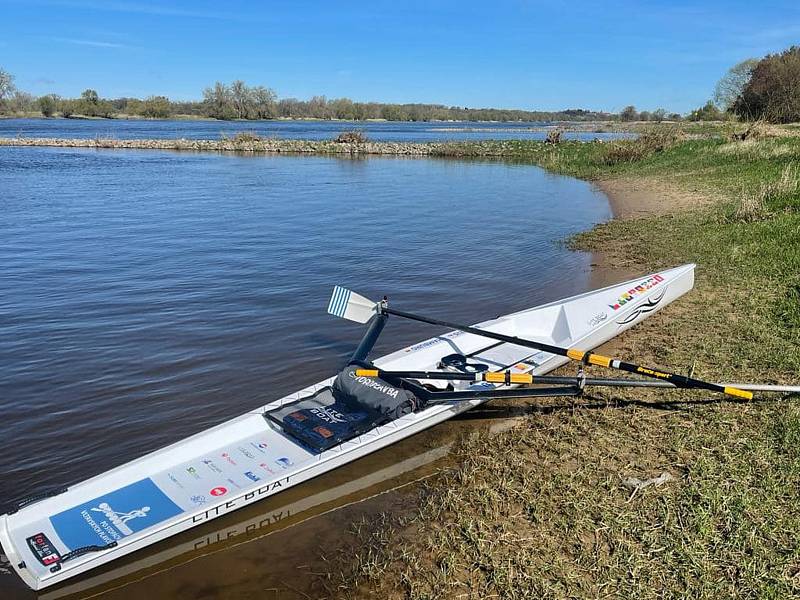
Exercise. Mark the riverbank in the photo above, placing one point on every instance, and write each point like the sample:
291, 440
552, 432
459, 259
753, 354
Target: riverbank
547, 509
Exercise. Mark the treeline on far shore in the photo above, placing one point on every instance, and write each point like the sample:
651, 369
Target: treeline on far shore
241, 101
757, 88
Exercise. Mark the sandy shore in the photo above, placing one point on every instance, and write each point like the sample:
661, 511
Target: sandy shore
637, 198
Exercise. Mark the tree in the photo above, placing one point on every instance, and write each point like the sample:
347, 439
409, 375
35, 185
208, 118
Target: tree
773, 91
263, 100
155, 107
218, 101
88, 103
22, 102
707, 112
729, 89
318, 107
67, 108
659, 114
90, 96
628, 114
288, 107
645, 116
240, 97
7, 88
48, 104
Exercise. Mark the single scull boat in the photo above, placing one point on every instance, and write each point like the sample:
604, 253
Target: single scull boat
62, 533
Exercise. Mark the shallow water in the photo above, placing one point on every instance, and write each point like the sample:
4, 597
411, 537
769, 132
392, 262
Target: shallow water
304, 130
147, 295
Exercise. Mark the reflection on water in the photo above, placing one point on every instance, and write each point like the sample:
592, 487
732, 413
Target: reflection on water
149, 295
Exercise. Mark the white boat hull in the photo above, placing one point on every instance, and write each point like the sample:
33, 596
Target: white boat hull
247, 458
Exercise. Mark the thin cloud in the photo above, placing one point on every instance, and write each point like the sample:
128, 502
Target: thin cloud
145, 8
92, 43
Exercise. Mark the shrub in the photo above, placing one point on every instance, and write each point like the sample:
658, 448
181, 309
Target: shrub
67, 108
246, 137
48, 104
554, 136
651, 141
354, 136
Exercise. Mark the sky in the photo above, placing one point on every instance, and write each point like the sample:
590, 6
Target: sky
534, 55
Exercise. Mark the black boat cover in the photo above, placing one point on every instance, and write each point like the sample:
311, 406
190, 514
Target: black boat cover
351, 406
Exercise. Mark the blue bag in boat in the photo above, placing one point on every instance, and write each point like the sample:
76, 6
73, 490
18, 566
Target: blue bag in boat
351, 406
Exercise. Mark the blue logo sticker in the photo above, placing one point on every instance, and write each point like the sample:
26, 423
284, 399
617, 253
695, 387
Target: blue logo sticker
114, 516
252, 476
284, 462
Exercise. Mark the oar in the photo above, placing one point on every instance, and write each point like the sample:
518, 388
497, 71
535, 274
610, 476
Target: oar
507, 377
354, 307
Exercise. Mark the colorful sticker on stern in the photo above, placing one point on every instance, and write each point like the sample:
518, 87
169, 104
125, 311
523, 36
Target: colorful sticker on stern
637, 291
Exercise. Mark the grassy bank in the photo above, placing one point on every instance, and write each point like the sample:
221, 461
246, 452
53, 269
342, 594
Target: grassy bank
546, 509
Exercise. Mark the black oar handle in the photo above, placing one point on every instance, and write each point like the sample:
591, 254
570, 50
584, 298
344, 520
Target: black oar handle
579, 355
681, 381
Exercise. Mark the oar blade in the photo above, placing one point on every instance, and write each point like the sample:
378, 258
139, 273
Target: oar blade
348, 305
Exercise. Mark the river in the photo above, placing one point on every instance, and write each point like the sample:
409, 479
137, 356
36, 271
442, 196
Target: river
148, 295
379, 131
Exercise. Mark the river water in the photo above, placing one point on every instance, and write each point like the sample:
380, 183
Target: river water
379, 131
145, 296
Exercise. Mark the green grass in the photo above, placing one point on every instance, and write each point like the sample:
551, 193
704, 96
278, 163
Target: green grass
540, 511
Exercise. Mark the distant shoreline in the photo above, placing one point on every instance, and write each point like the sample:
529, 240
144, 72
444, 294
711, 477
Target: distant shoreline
275, 146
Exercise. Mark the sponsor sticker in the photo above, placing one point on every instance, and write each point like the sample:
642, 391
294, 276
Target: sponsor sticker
114, 516
636, 291
228, 457
246, 453
43, 549
193, 472
283, 462
261, 447
199, 499
210, 464
219, 491
252, 476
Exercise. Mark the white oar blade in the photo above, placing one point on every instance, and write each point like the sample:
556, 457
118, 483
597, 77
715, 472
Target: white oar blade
351, 306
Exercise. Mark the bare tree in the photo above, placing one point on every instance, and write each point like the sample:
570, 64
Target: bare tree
240, 96
7, 87
729, 89
218, 101
628, 113
263, 100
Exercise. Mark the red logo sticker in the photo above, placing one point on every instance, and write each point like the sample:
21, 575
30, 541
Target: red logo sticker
219, 491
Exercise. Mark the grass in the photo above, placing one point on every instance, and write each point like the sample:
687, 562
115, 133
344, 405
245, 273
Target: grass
540, 511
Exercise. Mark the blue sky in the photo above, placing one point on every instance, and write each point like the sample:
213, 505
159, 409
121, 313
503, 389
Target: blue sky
514, 54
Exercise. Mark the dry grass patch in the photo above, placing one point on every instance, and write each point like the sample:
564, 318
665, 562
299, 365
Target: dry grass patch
778, 193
